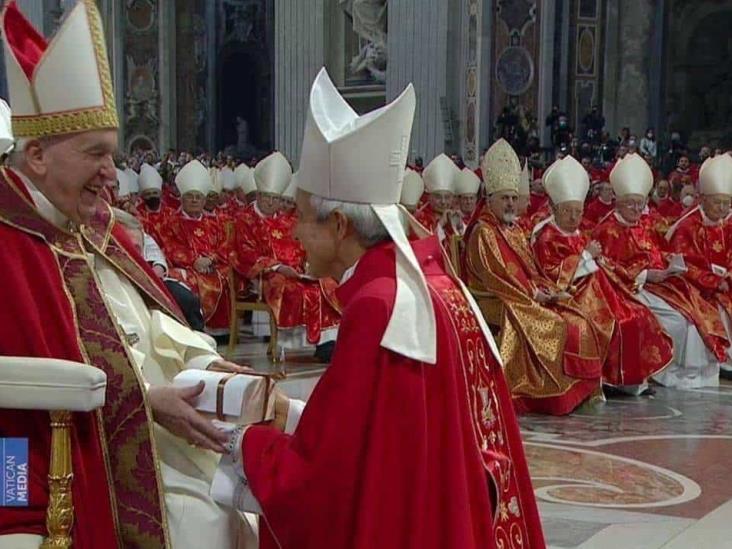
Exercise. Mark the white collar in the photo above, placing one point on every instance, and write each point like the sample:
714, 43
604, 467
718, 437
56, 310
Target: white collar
708, 222
186, 216
562, 231
49, 212
348, 275
623, 221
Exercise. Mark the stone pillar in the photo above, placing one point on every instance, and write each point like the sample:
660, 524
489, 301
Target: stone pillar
300, 52
418, 45
167, 80
33, 10
630, 104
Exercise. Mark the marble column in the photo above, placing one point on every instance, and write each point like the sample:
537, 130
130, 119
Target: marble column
300, 52
418, 53
630, 35
167, 79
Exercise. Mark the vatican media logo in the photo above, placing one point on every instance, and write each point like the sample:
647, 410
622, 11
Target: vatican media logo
14, 479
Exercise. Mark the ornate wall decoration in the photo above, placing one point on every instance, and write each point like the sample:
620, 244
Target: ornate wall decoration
141, 65
586, 77
516, 49
470, 136
515, 70
141, 15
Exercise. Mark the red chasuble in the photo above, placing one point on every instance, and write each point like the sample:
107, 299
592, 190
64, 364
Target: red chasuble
391, 453
187, 239
53, 307
638, 346
703, 247
431, 220
596, 211
631, 250
154, 222
536, 202
261, 243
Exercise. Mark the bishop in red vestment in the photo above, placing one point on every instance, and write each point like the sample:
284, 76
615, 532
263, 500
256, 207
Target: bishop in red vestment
409, 439
635, 256
568, 257
440, 216
266, 253
196, 247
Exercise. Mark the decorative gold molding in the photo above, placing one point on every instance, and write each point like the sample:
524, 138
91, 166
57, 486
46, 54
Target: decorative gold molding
60, 512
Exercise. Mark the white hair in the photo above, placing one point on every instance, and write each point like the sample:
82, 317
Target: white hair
16, 157
366, 223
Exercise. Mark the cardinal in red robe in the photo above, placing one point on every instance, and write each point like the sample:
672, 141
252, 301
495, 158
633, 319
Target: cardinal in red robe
441, 215
196, 247
599, 207
571, 260
635, 256
266, 253
409, 439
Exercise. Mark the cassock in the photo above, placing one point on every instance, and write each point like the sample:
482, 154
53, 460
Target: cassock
395, 453
553, 358
305, 309
185, 240
694, 323
88, 296
638, 346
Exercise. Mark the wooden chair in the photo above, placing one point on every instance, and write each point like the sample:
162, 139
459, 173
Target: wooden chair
242, 302
59, 387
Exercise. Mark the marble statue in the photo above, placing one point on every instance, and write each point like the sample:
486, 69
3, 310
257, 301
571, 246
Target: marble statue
370, 24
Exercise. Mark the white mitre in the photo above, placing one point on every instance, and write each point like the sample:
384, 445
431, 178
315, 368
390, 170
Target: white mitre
123, 183
6, 129
228, 179
273, 174
567, 181
467, 183
362, 159
245, 178
133, 180
525, 182
193, 177
215, 174
715, 175
149, 178
631, 176
412, 189
440, 174
291, 189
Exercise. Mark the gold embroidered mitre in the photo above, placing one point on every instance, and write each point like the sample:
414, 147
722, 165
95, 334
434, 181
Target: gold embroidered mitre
501, 168
63, 86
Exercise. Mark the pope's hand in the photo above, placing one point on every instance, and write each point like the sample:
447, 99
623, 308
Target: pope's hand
594, 249
172, 408
542, 297
228, 367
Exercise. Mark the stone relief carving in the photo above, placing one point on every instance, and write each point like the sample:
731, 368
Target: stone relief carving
515, 70
241, 20
141, 99
370, 25
141, 14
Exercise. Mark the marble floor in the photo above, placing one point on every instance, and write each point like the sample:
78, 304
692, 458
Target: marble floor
632, 473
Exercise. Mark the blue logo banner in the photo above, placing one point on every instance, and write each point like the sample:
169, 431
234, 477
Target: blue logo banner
14, 473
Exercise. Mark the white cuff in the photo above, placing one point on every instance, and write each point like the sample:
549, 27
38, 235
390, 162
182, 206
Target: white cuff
640, 280
587, 266
294, 413
230, 486
201, 362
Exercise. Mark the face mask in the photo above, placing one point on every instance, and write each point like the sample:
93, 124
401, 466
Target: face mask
152, 203
688, 200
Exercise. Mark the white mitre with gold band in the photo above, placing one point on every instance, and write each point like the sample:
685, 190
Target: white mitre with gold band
501, 168
412, 189
149, 178
61, 87
193, 177
273, 174
466, 182
715, 175
362, 159
440, 175
631, 176
245, 178
567, 181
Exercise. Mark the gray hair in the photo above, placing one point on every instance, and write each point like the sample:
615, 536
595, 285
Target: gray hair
366, 223
16, 157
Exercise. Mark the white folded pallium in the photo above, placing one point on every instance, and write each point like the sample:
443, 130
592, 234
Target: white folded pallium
235, 398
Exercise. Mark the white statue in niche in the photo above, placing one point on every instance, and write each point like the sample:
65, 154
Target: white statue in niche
370, 24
